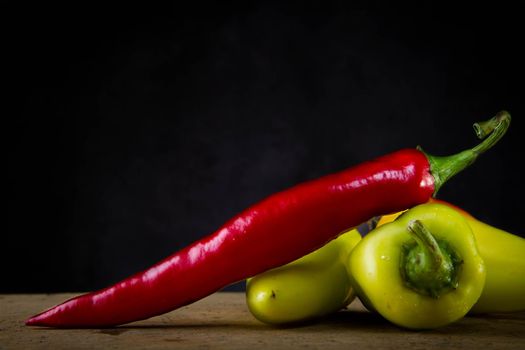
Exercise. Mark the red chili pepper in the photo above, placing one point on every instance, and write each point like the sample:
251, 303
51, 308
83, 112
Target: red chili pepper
273, 232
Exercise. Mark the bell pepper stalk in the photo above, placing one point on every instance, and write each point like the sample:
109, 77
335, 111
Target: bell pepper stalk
306, 289
275, 231
421, 271
502, 252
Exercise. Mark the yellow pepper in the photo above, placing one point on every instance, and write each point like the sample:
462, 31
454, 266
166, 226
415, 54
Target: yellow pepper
421, 271
310, 287
503, 254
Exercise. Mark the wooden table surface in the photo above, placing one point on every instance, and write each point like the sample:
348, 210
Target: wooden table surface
222, 321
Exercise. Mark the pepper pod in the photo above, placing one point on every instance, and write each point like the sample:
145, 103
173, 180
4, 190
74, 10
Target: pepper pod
422, 270
308, 288
502, 252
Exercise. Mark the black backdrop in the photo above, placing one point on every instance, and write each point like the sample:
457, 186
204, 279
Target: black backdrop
136, 131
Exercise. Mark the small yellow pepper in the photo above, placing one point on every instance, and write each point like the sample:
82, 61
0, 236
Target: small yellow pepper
503, 254
310, 287
421, 271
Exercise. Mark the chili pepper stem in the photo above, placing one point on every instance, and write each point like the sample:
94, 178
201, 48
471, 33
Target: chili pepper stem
443, 168
430, 267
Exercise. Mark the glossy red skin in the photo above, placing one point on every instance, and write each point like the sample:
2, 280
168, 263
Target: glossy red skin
273, 232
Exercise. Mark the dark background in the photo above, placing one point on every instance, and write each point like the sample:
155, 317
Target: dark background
135, 131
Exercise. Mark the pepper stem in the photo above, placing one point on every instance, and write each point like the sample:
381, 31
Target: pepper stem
430, 267
443, 168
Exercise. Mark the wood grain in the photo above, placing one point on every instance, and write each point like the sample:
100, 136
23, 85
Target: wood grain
222, 321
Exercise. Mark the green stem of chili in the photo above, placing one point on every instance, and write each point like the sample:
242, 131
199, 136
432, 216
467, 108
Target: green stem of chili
443, 168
